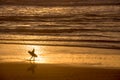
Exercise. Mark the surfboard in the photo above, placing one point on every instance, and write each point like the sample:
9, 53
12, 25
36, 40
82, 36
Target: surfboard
32, 53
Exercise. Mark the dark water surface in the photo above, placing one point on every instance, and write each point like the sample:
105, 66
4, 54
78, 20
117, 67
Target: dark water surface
86, 26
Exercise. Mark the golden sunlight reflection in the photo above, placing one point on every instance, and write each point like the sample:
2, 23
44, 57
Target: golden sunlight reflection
39, 51
60, 55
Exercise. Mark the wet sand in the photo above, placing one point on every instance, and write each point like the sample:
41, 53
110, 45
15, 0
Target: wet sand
35, 71
13, 66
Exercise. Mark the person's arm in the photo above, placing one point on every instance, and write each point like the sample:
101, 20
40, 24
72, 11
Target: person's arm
33, 50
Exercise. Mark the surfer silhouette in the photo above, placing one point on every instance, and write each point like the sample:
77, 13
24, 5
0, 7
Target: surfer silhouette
32, 53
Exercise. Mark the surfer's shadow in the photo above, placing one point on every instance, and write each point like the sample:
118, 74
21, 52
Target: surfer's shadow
32, 67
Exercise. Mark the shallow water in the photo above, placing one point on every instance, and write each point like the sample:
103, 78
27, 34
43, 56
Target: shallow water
77, 56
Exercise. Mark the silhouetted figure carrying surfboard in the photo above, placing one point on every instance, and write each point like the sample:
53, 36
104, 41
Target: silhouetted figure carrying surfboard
32, 53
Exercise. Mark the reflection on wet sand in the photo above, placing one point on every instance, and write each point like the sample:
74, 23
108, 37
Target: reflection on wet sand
61, 55
17, 71
32, 67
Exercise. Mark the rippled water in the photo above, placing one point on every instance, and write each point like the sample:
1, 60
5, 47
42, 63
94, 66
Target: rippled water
87, 26
89, 34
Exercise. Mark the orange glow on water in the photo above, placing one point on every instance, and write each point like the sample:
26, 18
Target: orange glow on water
60, 55
39, 51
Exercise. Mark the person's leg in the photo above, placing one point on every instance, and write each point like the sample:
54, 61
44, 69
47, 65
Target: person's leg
34, 59
31, 58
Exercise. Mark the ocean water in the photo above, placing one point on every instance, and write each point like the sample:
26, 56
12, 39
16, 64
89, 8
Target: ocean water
84, 35
86, 26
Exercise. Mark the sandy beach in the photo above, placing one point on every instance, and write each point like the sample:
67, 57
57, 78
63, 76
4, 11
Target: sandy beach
33, 71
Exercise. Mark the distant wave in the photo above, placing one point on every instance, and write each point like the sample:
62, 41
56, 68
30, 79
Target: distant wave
67, 44
59, 3
107, 44
85, 18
